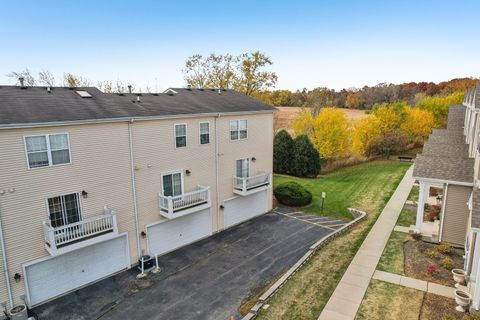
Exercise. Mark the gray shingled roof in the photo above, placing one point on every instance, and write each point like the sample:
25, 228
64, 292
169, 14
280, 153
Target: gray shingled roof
432, 149
476, 208
36, 105
444, 168
456, 117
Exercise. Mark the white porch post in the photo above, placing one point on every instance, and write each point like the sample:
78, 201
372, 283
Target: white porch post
420, 206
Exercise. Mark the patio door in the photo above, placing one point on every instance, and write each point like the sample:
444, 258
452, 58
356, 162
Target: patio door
242, 168
64, 210
172, 184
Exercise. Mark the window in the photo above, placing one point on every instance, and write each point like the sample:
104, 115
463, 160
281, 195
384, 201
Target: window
204, 133
180, 135
64, 210
47, 150
172, 184
242, 168
238, 129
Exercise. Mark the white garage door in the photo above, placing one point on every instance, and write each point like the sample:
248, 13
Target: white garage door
244, 208
172, 234
58, 275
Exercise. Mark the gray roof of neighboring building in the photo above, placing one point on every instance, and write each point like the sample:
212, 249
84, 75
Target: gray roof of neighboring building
444, 168
476, 208
445, 150
456, 117
31, 105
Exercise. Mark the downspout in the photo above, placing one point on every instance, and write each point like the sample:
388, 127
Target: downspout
134, 187
5, 265
217, 192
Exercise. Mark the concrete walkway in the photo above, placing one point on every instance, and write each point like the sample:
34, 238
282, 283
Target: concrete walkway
347, 297
413, 283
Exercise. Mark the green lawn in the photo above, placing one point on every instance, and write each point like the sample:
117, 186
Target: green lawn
354, 186
366, 187
392, 257
413, 196
407, 218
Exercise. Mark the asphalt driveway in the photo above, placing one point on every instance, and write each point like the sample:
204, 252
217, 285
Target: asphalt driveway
206, 280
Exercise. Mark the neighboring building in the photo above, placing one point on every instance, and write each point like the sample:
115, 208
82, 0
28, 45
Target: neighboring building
92, 181
448, 174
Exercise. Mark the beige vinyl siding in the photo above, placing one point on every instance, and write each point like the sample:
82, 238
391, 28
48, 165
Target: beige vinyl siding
456, 214
100, 166
3, 285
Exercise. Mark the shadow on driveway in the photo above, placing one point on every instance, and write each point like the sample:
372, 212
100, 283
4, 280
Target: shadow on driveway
205, 280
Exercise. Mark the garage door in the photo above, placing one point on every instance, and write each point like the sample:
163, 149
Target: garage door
58, 275
244, 208
172, 234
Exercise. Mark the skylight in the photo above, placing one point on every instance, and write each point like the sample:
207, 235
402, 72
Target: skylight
83, 93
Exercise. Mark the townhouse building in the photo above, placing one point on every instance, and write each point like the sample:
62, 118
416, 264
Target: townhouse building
91, 181
448, 176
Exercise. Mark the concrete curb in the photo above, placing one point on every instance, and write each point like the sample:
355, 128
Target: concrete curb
359, 215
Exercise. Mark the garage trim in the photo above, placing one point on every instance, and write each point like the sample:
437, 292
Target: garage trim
27, 264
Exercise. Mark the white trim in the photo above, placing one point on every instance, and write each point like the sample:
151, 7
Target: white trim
248, 162
49, 150
166, 173
80, 204
134, 185
175, 135
441, 182
169, 90
238, 130
200, 133
442, 216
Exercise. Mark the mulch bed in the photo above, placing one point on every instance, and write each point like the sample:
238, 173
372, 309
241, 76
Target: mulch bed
416, 262
439, 308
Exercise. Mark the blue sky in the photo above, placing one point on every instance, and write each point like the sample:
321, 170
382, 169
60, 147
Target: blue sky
312, 43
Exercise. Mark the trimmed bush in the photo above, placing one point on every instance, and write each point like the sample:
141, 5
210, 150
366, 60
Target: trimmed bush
292, 194
282, 152
306, 159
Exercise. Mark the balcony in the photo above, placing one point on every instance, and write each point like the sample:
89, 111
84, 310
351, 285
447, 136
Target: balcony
73, 236
177, 206
247, 185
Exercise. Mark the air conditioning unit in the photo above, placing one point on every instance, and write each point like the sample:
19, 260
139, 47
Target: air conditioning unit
147, 261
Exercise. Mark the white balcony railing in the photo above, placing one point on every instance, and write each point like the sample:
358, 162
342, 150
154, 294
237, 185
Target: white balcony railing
57, 237
176, 206
246, 185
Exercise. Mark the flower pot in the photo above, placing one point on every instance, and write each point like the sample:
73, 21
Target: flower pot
463, 300
19, 312
459, 275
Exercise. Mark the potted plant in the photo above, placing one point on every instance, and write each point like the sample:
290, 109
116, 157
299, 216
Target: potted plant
459, 275
19, 312
463, 300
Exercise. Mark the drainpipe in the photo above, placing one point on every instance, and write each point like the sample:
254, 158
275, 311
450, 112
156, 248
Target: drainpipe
5, 265
134, 187
217, 197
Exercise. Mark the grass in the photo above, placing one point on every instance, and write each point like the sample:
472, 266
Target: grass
413, 196
393, 256
407, 218
306, 293
349, 187
389, 301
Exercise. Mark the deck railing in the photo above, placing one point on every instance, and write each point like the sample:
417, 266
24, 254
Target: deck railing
248, 183
56, 237
172, 204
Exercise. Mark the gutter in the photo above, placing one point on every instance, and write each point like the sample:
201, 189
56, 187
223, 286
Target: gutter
5, 265
134, 187
217, 192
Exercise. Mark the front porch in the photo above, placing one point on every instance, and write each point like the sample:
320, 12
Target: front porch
429, 211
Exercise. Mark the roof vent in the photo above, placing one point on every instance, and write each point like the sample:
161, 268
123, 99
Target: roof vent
49, 90
22, 82
129, 88
189, 88
83, 93
219, 91
138, 99
170, 92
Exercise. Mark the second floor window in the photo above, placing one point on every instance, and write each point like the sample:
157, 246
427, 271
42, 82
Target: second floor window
238, 129
180, 135
64, 210
47, 150
204, 133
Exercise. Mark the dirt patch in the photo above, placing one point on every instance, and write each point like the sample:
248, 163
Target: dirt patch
417, 262
438, 307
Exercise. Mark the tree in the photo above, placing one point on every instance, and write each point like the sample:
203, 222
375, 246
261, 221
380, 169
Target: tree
28, 79
418, 123
250, 76
364, 132
439, 105
195, 71
220, 72
75, 81
46, 77
331, 134
388, 144
306, 159
388, 117
303, 123
282, 152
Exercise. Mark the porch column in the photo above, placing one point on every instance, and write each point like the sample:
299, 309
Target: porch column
422, 194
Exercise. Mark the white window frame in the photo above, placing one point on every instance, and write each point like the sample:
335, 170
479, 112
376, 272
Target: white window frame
248, 169
170, 173
79, 199
200, 133
238, 129
49, 150
175, 134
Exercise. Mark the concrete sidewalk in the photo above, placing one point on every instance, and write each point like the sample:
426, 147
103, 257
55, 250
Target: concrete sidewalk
347, 297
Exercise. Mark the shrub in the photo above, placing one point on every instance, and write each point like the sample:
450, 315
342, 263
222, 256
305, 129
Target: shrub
432, 216
447, 263
388, 144
282, 152
306, 159
444, 248
431, 269
431, 254
292, 194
